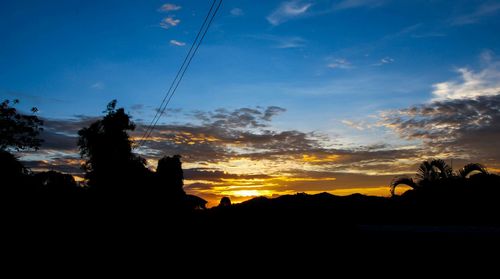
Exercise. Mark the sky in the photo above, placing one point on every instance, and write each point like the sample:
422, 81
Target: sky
282, 96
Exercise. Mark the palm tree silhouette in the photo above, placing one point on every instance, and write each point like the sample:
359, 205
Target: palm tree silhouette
433, 172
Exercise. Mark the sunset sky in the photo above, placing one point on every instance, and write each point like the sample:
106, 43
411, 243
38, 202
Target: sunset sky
282, 96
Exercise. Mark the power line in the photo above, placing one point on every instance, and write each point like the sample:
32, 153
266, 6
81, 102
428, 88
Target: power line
177, 75
161, 110
185, 69
182, 70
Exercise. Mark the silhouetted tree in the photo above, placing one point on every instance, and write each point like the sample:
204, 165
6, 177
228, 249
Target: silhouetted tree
225, 202
170, 176
436, 172
428, 172
107, 147
18, 131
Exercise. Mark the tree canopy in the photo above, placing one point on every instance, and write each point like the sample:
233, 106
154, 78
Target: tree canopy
18, 131
107, 147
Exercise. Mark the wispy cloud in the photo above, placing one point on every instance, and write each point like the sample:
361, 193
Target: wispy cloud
349, 4
428, 35
169, 7
236, 12
340, 63
288, 10
169, 22
384, 61
358, 125
290, 42
281, 41
97, 86
471, 84
137, 107
294, 9
177, 43
484, 10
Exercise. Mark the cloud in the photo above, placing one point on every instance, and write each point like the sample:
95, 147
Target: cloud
460, 127
294, 9
441, 120
243, 141
272, 111
239, 118
461, 121
238, 152
471, 84
137, 107
210, 174
282, 42
358, 125
169, 22
349, 4
428, 35
340, 63
483, 10
177, 43
169, 7
384, 61
236, 12
59, 150
290, 42
97, 86
53, 140
288, 10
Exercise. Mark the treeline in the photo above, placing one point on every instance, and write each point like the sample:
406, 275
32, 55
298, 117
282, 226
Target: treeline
115, 177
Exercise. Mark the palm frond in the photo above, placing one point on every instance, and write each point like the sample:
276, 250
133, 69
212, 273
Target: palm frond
402, 180
445, 171
425, 171
471, 167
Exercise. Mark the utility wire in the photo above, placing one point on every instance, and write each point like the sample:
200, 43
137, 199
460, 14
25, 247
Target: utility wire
185, 69
146, 132
160, 109
182, 70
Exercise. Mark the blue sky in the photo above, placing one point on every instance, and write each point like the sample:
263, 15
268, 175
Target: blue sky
335, 66
84, 53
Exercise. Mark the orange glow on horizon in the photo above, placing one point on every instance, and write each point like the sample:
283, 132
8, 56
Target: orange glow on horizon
319, 159
245, 177
238, 196
247, 193
78, 178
